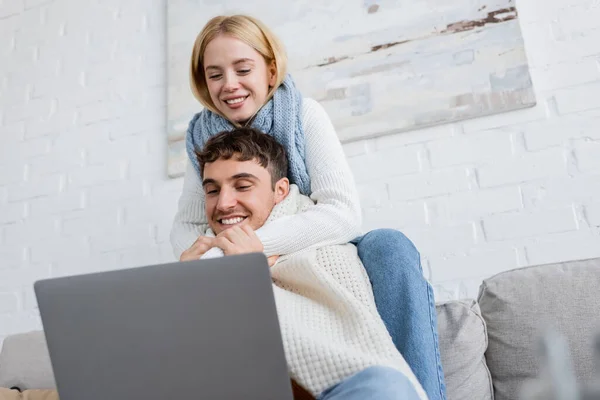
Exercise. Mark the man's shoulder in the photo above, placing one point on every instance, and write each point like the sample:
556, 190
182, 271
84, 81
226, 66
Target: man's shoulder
294, 203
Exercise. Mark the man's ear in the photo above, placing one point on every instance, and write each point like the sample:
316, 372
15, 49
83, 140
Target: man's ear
282, 189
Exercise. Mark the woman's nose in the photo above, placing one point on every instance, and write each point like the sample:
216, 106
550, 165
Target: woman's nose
231, 82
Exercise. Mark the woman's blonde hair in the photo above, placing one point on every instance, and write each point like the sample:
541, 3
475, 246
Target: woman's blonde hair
250, 31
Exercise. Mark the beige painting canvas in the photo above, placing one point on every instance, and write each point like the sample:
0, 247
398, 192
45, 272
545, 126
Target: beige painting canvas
377, 66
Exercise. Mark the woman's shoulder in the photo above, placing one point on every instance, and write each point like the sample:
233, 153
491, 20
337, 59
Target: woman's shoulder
308, 103
313, 111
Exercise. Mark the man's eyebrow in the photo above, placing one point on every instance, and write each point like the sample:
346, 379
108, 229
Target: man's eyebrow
244, 175
208, 181
236, 62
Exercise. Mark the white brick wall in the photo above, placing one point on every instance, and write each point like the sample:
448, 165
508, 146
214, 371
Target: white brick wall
82, 178
82, 154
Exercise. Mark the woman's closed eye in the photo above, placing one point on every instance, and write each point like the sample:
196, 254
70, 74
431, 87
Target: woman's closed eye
215, 77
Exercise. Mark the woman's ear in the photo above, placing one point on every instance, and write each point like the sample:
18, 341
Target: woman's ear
272, 74
282, 189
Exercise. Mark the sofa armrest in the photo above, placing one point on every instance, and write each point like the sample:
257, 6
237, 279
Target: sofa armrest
25, 362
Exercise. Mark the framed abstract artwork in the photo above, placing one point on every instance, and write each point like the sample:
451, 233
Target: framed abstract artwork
377, 66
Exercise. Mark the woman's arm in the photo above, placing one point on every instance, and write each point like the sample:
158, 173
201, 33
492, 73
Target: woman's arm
190, 220
336, 217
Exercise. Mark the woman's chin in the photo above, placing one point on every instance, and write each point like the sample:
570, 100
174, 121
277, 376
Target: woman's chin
240, 116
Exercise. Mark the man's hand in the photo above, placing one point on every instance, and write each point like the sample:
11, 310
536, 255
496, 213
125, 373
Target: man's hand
235, 240
239, 240
272, 260
200, 246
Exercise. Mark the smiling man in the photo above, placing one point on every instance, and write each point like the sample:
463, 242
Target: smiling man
241, 184
244, 177
335, 342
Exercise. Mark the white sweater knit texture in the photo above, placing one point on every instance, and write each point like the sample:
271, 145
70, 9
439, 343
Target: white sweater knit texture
335, 219
329, 322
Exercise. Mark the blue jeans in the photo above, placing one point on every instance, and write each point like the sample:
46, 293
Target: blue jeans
380, 383
405, 302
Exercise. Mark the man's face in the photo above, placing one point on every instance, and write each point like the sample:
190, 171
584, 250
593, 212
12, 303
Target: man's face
240, 193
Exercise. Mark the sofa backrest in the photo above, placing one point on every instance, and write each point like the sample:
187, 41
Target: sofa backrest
463, 341
519, 305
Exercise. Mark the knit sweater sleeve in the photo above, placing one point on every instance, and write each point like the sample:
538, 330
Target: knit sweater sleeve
336, 217
190, 219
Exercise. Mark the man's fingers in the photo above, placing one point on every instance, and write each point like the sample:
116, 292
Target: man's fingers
235, 235
239, 240
193, 253
224, 244
203, 240
197, 250
203, 244
272, 260
249, 231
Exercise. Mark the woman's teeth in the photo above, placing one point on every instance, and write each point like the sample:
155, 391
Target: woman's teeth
232, 221
235, 101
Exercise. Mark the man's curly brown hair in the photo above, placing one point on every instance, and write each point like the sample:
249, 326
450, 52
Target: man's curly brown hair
246, 144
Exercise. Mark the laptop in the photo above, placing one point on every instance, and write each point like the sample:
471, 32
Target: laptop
196, 330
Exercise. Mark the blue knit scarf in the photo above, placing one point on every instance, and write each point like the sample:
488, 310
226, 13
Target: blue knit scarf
280, 118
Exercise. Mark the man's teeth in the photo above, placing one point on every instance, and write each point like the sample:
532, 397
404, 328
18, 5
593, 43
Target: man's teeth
232, 221
235, 101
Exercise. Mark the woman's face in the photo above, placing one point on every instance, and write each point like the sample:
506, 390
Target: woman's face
237, 76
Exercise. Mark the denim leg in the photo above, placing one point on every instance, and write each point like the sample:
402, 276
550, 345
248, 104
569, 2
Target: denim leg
405, 302
380, 383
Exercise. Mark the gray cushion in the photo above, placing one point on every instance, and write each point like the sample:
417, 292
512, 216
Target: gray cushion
518, 304
463, 340
25, 362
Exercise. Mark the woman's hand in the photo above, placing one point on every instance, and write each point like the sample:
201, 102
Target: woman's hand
200, 246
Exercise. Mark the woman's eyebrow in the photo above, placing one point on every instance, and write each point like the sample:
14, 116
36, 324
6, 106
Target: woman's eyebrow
243, 60
236, 62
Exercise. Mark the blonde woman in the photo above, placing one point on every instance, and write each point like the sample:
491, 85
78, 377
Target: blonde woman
238, 72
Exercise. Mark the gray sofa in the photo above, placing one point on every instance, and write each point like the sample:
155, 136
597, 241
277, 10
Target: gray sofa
487, 345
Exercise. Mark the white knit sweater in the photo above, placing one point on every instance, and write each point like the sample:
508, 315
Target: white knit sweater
335, 219
329, 323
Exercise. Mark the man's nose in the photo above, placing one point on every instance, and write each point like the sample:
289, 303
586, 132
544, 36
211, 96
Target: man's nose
227, 199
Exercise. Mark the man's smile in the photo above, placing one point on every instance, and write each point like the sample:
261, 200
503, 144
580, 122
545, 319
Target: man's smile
231, 220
